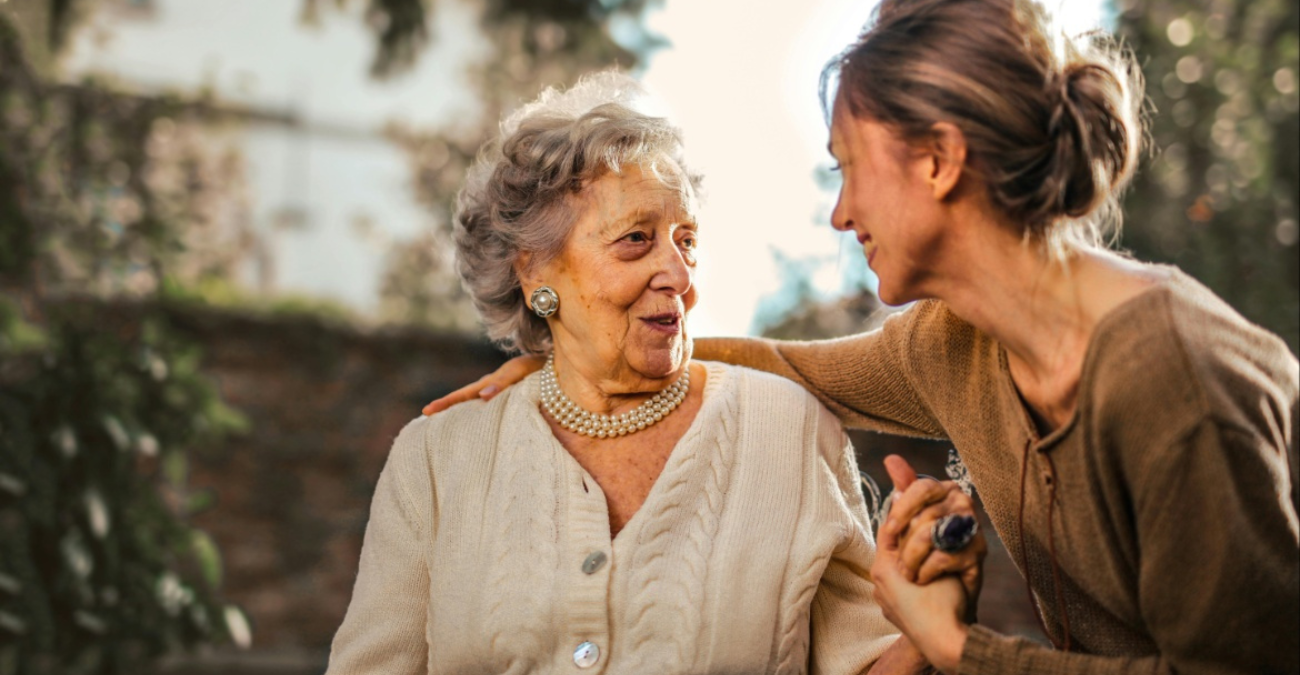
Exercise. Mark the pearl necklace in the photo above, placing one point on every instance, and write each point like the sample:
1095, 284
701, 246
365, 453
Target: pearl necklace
575, 419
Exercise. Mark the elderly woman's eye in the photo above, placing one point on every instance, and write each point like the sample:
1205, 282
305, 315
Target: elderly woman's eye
636, 237
689, 243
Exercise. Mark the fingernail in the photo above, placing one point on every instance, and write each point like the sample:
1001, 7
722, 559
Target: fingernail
489, 391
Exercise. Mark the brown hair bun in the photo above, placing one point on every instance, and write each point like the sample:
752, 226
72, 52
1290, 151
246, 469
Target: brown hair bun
1052, 122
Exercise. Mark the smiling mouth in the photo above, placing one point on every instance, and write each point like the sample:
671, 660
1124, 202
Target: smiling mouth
671, 322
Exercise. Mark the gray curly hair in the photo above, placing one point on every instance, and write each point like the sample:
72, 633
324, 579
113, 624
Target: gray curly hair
517, 196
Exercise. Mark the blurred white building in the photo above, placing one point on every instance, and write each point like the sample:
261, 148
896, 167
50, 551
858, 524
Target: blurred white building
329, 193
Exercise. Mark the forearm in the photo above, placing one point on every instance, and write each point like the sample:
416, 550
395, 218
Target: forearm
989, 653
860, 378
757, 353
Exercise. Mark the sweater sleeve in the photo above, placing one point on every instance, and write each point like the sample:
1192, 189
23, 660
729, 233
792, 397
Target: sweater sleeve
1217, 578
384, 629
848, 629
864, 379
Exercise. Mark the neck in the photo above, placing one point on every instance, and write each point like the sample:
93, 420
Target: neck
1030, 303
1041, 309
608, 391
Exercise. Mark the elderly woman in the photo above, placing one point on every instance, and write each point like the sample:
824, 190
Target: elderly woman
624, 509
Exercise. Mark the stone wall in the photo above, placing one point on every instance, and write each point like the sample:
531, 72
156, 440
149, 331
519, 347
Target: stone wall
291, 496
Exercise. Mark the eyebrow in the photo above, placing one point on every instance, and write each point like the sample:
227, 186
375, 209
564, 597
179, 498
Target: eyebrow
630, 219
650, 214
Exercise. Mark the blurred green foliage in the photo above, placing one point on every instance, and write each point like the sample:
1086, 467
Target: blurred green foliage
100, 571
1219, 195
401, 27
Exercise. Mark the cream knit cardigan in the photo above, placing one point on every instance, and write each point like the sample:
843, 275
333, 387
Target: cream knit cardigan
750, 554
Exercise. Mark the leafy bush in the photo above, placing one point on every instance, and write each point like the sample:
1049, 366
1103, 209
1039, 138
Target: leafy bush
100, 570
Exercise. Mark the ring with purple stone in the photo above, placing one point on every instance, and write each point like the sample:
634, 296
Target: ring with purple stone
953, 532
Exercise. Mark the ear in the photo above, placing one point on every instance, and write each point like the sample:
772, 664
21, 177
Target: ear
947, 150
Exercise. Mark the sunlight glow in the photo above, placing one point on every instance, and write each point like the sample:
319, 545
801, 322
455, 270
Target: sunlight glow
742, 83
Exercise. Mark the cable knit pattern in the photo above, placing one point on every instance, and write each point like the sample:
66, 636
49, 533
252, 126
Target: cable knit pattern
671, 564
748, 556
793, 645
524, 529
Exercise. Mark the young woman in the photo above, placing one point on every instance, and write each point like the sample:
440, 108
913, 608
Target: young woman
1132, 438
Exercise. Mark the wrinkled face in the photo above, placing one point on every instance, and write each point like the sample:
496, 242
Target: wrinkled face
625, 278
887, 203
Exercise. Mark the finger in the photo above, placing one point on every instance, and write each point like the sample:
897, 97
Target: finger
509, 374
923, 494
916, 541
973, 579
468, 392
939, 563
915, 545
902, 475
489, 385
906, 505
900, 472
957, 562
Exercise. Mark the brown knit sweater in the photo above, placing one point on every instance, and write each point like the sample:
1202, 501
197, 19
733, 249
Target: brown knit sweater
1174, 521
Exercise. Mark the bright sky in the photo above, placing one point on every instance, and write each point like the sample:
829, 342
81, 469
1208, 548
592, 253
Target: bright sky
741, 82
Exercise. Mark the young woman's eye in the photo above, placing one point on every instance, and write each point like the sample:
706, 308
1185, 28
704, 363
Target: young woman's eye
836, 168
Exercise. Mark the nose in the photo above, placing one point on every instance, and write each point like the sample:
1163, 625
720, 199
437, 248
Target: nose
676, 268
839, 216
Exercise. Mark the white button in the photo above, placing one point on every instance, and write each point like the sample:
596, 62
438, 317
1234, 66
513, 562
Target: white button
586, 655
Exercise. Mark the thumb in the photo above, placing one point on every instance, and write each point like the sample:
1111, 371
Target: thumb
900, 472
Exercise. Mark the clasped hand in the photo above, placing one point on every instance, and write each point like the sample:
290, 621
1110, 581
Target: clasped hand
929, 594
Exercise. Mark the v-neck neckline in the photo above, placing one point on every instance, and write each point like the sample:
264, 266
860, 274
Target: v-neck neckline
715, 378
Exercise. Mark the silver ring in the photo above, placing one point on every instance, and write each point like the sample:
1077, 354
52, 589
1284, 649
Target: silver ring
544, 301
953, 532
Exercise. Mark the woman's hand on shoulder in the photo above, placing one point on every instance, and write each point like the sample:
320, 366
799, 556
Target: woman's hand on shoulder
916, 505
489, 385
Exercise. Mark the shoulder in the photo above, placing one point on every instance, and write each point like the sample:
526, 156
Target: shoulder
463, 429
950, 362
1178, 356
755, 389
771, 407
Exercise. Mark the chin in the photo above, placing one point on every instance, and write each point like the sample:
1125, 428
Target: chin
663, 362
